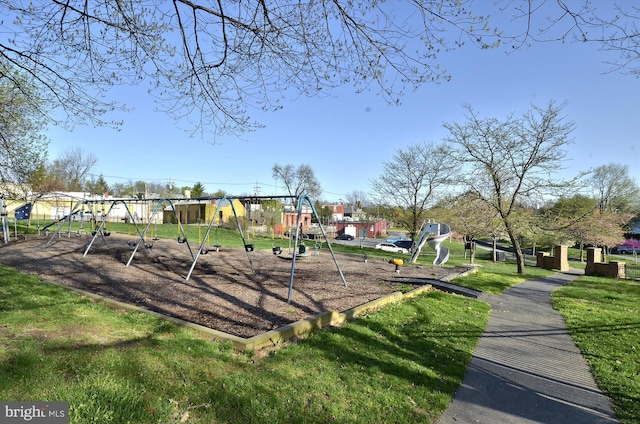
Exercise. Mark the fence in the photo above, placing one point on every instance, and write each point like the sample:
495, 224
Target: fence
632, 271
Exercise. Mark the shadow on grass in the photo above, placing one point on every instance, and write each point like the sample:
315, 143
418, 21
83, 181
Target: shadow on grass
400, 364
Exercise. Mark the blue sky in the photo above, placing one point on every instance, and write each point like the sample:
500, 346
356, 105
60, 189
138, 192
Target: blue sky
346, 138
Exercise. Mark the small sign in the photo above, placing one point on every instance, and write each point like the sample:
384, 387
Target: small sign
34, 412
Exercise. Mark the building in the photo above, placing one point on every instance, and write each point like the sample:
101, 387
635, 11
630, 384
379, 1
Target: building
197, 212
359, 229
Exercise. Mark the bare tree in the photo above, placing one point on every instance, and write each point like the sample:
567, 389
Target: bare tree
73, 167
298, 181
613, 27
510, 162
210, 62
412, 181
357, 199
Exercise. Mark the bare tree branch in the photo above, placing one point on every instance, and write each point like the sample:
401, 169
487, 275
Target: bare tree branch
212, 63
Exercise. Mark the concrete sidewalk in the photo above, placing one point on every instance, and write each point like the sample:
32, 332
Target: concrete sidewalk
526, 368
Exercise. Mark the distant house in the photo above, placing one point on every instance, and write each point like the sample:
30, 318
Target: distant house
197, 212
350, 220
369, 229
225, 213
354, 214
337, 212
290, 218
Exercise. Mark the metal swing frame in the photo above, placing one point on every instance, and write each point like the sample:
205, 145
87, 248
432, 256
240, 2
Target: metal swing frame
142, 232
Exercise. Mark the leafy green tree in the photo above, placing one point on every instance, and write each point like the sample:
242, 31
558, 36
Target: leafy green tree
614, 189
97, 186
324, 212
507, 163
568, 219
120, 189
23, 148
197, 190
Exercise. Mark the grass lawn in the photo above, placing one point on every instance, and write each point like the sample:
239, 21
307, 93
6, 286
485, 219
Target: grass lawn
603, 317
399, 364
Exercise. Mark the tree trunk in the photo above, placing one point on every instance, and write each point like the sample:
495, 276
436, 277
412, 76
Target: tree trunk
517, 249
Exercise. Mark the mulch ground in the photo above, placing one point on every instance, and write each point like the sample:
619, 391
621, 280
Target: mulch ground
223, 292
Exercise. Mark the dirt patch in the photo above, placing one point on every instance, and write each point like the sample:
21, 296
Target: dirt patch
223, 293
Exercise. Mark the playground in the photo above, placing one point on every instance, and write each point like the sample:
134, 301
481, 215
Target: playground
222, 293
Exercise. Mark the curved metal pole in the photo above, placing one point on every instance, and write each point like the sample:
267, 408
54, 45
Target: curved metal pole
295, 250
324, 234
184, 235
244, 241
301, 199
206, 234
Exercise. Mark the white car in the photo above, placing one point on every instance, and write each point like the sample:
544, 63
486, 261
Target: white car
390, 247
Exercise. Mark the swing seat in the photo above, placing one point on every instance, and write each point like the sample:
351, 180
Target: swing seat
217, 247
249, 247
182, 240
276, 250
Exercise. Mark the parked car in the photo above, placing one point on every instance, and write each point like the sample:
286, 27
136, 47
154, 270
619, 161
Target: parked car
396, 239
345, 236
624, 250
390, 247
407, 244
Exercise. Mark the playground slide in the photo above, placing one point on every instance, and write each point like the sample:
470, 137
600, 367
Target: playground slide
442, 252
442, 232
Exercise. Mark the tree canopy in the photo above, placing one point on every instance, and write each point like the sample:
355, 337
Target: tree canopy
614, 189
23, 148
211, 63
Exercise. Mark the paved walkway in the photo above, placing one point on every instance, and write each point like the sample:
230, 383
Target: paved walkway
526, 368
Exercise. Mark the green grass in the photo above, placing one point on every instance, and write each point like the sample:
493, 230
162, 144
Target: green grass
399, 364
496, 278
603, 317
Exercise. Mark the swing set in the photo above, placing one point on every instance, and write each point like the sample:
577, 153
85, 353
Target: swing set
138, 232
